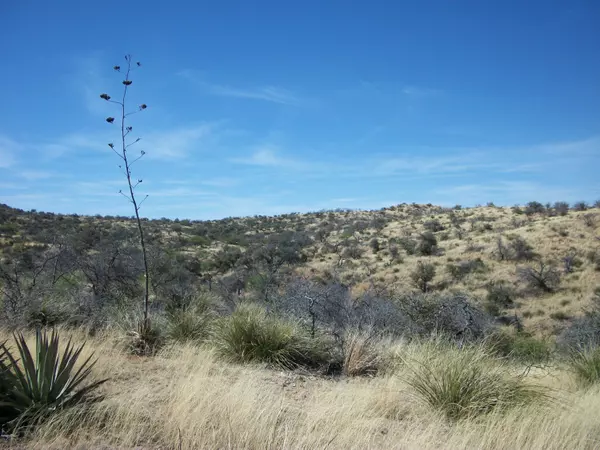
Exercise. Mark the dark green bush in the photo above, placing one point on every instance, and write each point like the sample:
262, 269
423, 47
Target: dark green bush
427, 244
500, 294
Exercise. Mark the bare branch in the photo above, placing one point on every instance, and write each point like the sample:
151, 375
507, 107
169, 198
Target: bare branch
134, 142
121, 192
112, 147
140, 204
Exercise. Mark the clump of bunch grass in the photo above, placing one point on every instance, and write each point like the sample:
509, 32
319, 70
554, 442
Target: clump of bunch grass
468, 382
361, 354
146, 339
251, 334
191, 323
519, 346
585, 365
187, 326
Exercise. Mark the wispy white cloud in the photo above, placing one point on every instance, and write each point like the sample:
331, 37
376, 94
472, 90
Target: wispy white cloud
179, 142
267, 156
175, 143
89, 82
510, 192
417, 91
268, 93
428, 165
8, 150
273, 94
221, 182
590, 146
35, 175
431, 162
11, 186
179, 192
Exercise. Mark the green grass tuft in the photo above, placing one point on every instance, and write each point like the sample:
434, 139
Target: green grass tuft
465, 383
250, 334
585, 364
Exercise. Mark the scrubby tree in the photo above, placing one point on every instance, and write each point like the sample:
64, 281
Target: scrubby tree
423, 275
330, 307
433, 225
501, 250
28, 276
534, 208
264, 260
375, 245
453, 315
561, 208
580, 206
427, 244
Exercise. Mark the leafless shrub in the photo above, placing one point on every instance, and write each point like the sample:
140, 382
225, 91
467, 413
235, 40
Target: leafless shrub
520, 249
501, 251
330, 307
570, 262
589, 219
452, 315
545, 277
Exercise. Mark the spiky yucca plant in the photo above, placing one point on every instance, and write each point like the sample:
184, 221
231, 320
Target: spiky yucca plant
39, 384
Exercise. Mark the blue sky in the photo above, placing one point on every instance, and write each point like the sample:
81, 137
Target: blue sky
269, 107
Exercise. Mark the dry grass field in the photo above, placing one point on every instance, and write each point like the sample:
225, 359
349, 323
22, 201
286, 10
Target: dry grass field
187, 398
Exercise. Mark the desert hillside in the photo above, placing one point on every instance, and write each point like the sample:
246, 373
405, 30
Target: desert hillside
540, 264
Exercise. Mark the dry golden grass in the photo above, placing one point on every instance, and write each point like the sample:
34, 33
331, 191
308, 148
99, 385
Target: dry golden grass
187, 398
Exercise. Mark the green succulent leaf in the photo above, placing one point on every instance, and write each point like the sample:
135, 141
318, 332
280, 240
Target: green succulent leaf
45, 381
